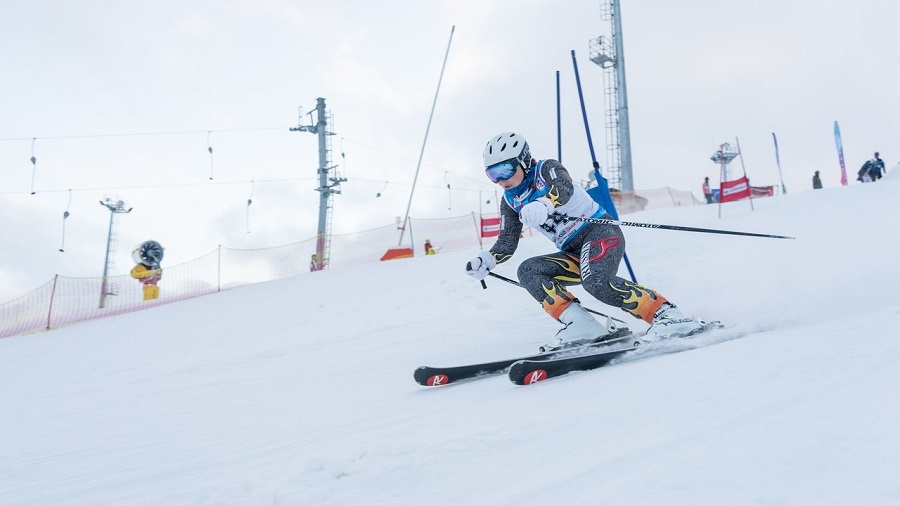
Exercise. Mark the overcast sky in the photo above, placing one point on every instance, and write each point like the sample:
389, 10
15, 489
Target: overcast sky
81, 77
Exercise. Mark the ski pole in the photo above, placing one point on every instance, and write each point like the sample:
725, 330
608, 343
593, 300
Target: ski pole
514, 282
602, 221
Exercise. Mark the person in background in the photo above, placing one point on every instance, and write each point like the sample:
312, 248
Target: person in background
313, 263
428, 249
872, 170
541, 194
707, 191
817, 182
876, 168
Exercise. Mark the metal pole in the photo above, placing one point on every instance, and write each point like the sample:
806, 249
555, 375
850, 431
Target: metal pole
721, 175
114, 208
112, 215
321, 130
744, 170
624, 127
325, 190
477, 223
622, 106
427, 128
52, 296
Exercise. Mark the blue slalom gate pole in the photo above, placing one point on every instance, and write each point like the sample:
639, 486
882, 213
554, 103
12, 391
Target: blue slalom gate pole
601, 192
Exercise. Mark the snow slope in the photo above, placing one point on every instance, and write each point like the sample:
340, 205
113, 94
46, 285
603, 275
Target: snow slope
300, 391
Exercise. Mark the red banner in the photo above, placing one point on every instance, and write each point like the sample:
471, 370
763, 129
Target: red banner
490, 227
734, 190
763, 191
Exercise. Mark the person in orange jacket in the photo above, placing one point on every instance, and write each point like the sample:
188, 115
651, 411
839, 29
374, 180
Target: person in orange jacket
707, 191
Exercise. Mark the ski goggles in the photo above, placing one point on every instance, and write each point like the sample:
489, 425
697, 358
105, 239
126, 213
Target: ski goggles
502, 171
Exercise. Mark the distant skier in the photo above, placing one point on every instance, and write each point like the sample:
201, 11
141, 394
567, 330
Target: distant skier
148, 271
817, 181
876, 168
429, 249
872, 170
540, 194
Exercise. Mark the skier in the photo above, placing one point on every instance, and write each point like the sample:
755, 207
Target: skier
148, 256
540, 194
876, 168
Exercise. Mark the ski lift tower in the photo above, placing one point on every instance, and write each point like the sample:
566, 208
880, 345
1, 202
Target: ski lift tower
608, 53
328, 186
115, 207
724, 156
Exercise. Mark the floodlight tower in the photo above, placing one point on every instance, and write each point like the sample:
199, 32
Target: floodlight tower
724, 156
327, 185
609, 54
115, 207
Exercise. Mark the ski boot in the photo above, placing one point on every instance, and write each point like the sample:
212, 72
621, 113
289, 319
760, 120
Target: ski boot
669, 321
581, 328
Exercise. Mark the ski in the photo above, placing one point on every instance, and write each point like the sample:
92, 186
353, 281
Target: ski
528, 372
705, 327
437, 376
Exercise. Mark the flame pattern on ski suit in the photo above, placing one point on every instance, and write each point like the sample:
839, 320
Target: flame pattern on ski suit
589, 255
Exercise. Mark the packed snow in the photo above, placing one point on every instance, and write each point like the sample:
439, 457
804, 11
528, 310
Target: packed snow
300, 391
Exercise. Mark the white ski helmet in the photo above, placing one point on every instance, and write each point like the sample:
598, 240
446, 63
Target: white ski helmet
507, 146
